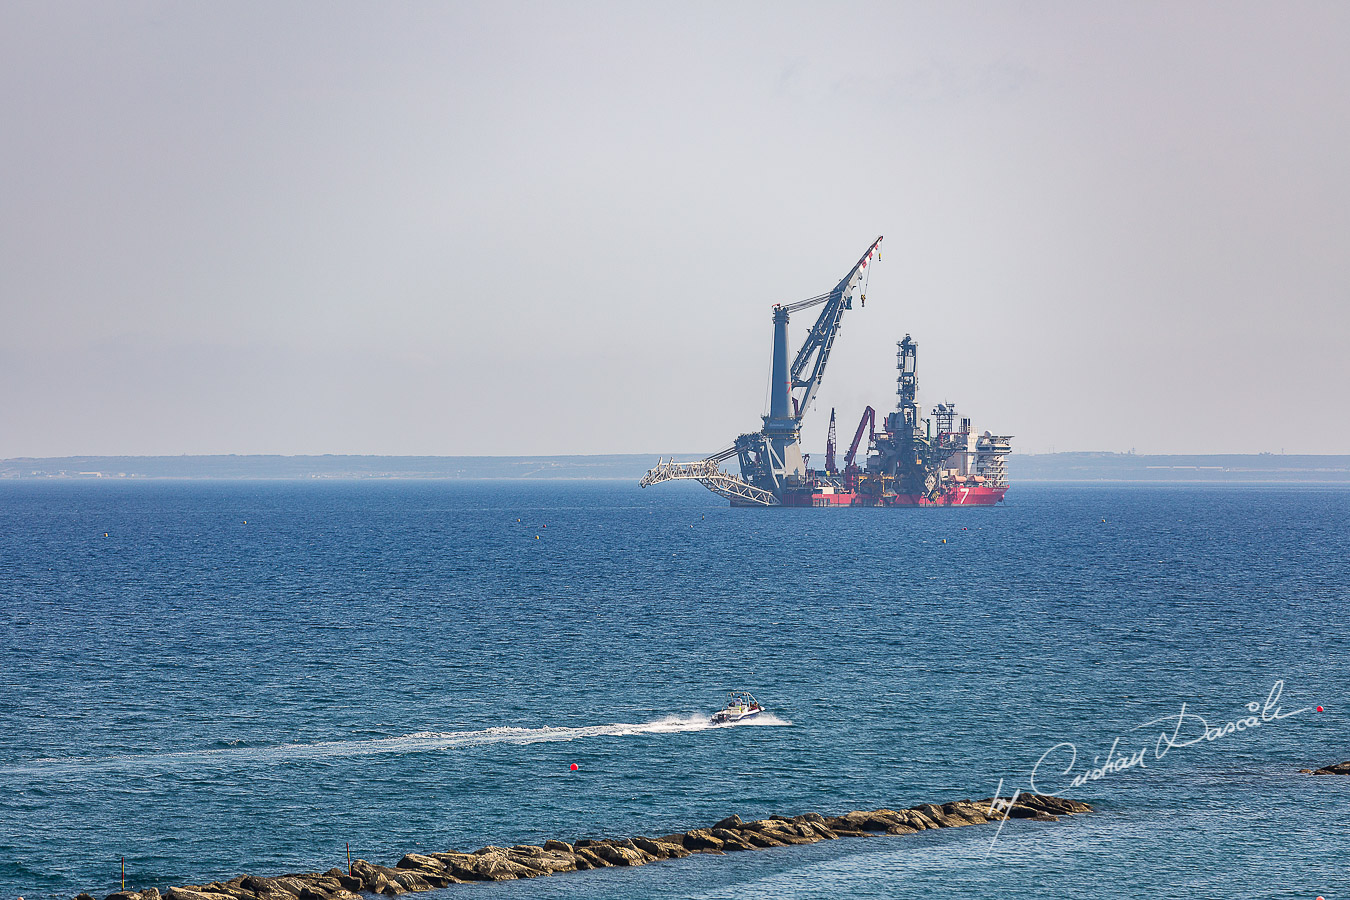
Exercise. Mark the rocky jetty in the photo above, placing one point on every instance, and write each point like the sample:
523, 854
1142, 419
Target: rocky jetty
1335, 769
425, 872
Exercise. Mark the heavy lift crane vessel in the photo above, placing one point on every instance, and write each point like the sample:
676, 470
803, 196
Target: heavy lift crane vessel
904, 464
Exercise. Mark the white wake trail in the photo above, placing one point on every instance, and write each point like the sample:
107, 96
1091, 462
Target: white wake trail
417, 742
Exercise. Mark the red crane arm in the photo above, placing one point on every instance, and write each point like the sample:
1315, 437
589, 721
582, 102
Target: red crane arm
869, 421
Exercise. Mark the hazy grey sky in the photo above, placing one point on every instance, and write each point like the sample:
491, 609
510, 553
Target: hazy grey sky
461, 228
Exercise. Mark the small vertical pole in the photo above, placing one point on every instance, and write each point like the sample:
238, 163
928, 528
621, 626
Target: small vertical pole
124, 873
349, 858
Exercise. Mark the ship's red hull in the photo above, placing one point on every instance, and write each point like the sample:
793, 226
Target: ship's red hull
811, 498
956, 495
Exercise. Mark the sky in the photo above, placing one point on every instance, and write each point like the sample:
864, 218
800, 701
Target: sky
551, 228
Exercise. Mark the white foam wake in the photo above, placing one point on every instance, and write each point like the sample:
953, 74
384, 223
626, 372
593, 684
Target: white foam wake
417, 742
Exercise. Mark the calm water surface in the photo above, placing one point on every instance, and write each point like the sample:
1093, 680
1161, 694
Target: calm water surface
248, 676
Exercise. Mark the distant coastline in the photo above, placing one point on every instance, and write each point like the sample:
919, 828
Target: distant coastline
1022, 468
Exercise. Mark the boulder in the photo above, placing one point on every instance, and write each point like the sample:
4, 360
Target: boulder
290, 884
495, 864
544, 862
854, 823
936, 815
964, 814
383, 880
186, 893
411, 881
340, 893
731, 840
761, 839
661, 848
1028, 812
252, 887
1335, 769
820, 829
732, 821
788, 832
621, 853
915, 819
589, 859
1053, 805
557, 846
419, 863
878, 819
459, 865
701, 840
233, 889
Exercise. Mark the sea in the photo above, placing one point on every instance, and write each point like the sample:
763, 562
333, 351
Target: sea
204, 679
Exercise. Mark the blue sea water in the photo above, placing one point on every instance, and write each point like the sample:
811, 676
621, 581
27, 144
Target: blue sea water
216, 678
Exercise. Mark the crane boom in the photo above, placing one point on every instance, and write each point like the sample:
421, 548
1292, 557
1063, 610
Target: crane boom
869, 422
816, 348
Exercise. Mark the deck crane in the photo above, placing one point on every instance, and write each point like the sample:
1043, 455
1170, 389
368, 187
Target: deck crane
867, 423
771, 458
830, 447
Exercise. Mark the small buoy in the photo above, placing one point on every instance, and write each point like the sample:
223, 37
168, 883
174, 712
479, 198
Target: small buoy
944, 540
1319, 709
105, 534
545, 526
1103, 520
517, 520
575, 767
246, 521
536, 537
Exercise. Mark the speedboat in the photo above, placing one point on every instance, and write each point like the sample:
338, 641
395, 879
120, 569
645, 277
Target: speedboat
740, 707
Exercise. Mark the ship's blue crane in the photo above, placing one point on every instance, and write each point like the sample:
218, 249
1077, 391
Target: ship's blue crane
771, 458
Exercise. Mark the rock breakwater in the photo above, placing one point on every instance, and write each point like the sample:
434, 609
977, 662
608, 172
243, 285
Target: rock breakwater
1333, 769
424, 872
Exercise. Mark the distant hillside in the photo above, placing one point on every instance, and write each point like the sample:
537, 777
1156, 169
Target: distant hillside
1263, 467
330, 466
1021, 467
